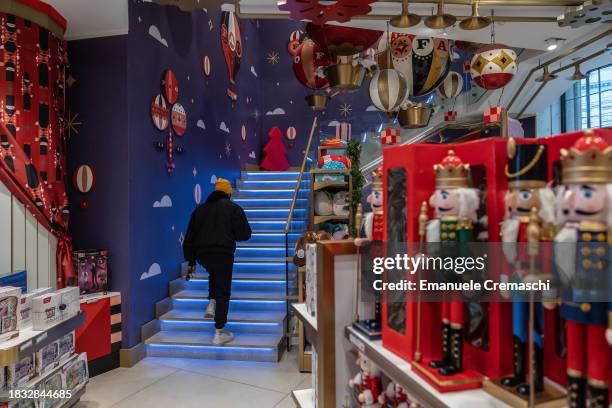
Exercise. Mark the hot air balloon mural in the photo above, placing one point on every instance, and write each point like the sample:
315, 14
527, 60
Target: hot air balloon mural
231, 42
494, 66
309, 62
424, 61
388, 89
295, 39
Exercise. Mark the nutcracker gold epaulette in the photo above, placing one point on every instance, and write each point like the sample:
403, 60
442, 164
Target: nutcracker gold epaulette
587, 161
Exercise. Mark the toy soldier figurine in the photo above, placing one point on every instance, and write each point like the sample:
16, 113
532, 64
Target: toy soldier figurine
373, 224
585, 204
455, 207
367, 384
527, 172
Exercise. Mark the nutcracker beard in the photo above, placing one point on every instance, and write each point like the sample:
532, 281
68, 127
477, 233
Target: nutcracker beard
460, 204
579, 208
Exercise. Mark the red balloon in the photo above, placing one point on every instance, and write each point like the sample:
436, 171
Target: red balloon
308, 62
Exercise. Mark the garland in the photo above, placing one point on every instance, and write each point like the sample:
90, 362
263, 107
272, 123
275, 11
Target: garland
354, 152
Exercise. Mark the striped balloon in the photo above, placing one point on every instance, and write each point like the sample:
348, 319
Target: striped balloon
197, 194
452, 86
388, 89
243, 132
84, 179
290, 133
206, 65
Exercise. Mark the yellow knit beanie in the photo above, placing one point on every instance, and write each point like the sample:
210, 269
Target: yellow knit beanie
223, 185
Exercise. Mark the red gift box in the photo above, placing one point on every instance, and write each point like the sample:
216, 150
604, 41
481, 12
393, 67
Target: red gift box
493, 114
390, 136
343, 131
450, 116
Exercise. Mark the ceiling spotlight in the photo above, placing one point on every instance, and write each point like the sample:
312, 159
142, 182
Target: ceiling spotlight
406, 19
440, 20
578, 76
546, 76
553, 43
475, 22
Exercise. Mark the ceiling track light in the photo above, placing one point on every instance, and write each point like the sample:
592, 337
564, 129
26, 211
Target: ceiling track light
546, 76
553, 43
578, 75
406, 19
440, 20
476, 21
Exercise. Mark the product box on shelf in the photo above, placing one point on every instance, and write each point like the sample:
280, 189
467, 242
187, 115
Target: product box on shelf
25, 308
311, 278
54, 382
46, 310
70, 304
75, 372
21, 372
47, 358
92, 268
66, 346
9, 312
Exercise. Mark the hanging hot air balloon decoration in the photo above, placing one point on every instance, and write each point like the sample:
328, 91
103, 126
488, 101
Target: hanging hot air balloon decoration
388, 89
424, 61
343, 43
309, 61
231, 42
295, 39
451, 88
494, 66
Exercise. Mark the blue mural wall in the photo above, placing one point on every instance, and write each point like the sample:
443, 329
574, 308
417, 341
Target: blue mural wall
98, 100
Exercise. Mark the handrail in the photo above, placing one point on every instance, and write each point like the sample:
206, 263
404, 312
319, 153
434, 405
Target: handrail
299, 182
552, 61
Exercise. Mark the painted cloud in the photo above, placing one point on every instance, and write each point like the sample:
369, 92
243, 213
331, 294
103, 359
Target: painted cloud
224, 127
201, 124
165, 202
154, 32
154, 270
276, 111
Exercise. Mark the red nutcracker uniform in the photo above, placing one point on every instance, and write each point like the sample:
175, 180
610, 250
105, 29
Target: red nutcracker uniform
455, 207
583, 271
367, 384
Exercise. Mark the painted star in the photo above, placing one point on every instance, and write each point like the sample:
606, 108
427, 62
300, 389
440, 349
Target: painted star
273, 58
210, 24
70, 81
195, 172
228, 149
71, 124
256, 114
345, 109
181, 239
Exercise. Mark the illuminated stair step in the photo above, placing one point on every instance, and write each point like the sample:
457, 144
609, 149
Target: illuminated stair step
270, 184
263, 252
262, 347
275, 225
281, 203
254, 267
272, 175
251, 285
240, 322
262, 213
286, 193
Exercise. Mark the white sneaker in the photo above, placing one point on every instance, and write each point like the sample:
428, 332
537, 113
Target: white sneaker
222, 337
210, 309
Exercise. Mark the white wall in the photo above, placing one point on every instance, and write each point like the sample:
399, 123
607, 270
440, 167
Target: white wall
25, 244
548, 122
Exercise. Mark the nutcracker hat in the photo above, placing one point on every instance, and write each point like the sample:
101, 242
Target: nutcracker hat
588, 161
451, 172
377, 179
527, 165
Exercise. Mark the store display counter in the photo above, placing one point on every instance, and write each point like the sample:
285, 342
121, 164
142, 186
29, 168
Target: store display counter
303, 398
30, 341
400, 371
309, 321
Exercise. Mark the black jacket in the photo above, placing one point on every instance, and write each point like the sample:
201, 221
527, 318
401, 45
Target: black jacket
215, 226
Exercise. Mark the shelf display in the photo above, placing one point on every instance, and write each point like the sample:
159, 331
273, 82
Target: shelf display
25, 308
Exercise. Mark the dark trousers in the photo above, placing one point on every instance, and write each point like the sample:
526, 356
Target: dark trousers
219, 268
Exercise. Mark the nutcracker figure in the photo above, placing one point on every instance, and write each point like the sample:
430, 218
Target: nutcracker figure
585, 209
373, 224
367, 384
455, 206
395, 397
527, 172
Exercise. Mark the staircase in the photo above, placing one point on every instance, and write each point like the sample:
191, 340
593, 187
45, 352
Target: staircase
258, 309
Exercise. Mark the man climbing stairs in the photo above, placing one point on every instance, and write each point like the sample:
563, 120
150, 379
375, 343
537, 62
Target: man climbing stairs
258, 312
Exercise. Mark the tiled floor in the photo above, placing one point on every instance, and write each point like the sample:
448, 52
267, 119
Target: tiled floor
184, 383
